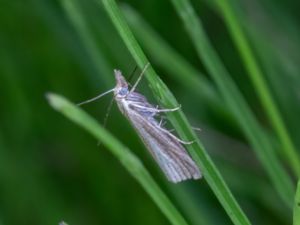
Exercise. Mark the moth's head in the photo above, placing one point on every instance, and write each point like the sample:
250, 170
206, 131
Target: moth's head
121, 89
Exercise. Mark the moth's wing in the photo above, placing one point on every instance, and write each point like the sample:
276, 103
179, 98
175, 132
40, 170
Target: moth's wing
166, 150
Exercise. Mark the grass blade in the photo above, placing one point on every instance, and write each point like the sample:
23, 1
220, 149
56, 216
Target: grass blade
78, 20
235, 101
72, 9
296, 215
165, 56
178, 119
260, 85
129, 160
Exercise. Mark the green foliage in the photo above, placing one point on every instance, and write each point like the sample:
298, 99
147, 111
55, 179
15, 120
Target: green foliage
179, 121
234, 68
129, 161
296, 218
260, 85
235, 101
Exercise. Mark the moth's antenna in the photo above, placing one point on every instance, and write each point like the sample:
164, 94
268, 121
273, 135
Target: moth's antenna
108, 112
140, 77
132, 73
106, 117
95, 98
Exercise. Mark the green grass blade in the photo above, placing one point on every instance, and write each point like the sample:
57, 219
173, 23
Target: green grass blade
235, 101
260, 85
72, 9
274, 67
178, 119
165, 56
126, 157
195, 212
296, 215
181, 71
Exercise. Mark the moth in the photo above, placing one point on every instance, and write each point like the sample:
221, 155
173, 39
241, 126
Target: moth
165, 147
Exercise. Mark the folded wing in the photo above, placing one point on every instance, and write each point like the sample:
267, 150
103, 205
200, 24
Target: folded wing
166, 150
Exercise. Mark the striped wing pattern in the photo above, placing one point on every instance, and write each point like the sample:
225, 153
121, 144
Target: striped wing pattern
167, 151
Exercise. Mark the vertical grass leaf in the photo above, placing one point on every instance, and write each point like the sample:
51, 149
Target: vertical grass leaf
260, 85
296, 217
178, 119
235, 101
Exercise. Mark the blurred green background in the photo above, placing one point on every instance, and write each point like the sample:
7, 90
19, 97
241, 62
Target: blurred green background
52, 170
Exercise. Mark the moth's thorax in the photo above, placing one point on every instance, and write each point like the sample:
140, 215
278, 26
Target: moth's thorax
121, 91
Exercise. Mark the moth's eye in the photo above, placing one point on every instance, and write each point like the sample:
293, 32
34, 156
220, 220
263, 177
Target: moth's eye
123, 91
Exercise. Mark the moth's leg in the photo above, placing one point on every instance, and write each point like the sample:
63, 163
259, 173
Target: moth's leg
161, 122
182, 141
169, 110
176, 138
150, 109
157, 110
194, 128
139, 79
